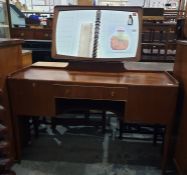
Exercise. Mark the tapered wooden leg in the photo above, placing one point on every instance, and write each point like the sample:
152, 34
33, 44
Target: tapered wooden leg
167, 149
120, 128
104, 121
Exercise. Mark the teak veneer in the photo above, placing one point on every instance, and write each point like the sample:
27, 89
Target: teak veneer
147, 96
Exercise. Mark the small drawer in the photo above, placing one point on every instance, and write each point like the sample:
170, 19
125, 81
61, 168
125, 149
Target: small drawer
43, 34
90, 92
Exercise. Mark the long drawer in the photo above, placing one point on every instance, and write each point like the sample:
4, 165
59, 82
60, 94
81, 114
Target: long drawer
91, 92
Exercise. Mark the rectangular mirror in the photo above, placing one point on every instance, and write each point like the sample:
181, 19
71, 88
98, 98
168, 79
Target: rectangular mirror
97, 33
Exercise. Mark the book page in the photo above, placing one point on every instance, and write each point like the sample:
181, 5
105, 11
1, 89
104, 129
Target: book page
75, 33
118, 34
85, 40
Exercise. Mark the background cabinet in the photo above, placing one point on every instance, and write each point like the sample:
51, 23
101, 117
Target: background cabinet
27, 33
180, 72
4, 22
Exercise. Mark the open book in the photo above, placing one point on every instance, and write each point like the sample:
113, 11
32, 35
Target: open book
97, 33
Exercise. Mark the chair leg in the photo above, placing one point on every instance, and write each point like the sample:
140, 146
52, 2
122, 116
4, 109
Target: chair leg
155, 135
104, 121
24, 126
53, 124
36, 126
120, 128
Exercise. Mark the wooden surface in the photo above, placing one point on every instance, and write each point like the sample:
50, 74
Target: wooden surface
10, 57
26, 58
10, 61
180, 71
127, 78
9, 42
149, 66
147, 96
28, 33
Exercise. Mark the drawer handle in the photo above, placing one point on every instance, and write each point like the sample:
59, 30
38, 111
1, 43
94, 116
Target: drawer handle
22, 34
112, 94
67, 91
46, 34
33, 85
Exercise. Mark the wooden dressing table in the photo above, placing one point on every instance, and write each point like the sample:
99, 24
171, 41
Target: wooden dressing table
137, 96
148, 97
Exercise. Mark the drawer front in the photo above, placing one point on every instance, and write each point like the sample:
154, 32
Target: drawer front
23, 34
43, 34
91, 92
35, 98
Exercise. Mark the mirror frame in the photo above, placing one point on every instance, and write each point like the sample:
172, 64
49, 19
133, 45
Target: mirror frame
69, 58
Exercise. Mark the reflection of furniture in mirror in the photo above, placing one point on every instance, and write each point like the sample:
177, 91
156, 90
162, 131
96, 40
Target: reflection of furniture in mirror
4, 21
180, 72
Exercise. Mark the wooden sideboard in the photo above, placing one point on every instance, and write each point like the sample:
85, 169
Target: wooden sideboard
10, 61
26, 58
10, 57
159, 41
144, 96
28, 33
180, 72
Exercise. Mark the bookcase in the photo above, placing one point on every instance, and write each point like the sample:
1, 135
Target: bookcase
180, 68
10, 60
4, 20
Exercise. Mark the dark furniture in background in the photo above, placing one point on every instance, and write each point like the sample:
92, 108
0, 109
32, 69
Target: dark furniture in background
159, 41
32, 33
180, 72
6, 161
10, 61
41, 49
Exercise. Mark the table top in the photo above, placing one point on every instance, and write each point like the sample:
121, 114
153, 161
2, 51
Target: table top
7, 42
123, 78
